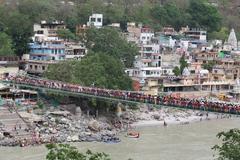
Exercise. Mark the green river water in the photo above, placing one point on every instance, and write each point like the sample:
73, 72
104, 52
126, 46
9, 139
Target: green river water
175, 142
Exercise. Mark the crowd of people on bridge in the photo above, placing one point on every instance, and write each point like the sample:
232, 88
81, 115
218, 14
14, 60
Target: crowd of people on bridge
167, 100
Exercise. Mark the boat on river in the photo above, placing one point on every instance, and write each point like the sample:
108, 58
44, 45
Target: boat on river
133, 134
111, 140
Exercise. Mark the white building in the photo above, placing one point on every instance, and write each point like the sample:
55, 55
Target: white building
47, 31
232, 40
196, 34
95, 20
146, 36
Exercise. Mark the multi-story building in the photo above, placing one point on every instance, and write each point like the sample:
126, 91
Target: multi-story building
9, 65
195, 37
133, 32
47, 51
204, 56
95, 20
81, 29
38, 67
75, 51
196, 34
46, 47
169, 31
47, 30
146, 35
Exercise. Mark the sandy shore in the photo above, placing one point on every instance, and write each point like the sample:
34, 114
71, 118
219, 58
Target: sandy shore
173, 117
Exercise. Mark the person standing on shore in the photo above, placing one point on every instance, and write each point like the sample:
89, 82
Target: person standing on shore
164, 123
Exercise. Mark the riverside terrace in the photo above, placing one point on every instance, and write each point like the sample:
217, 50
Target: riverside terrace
123, 96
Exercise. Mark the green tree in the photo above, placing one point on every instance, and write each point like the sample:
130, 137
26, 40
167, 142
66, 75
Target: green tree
86, 8
5, 45
19, 28
66, 34
142, 14
112, 14
222, 34
204, 15
183, 64
176, 71
230, 148
63, 71
67, 152
37, 10
3, 18
170, 14
209, 66
109, 41
96, 69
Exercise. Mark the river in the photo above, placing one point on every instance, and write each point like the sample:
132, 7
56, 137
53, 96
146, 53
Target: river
175, 142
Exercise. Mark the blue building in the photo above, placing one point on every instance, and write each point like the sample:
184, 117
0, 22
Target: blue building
47, 51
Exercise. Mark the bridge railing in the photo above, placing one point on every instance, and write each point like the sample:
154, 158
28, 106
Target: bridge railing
126, 96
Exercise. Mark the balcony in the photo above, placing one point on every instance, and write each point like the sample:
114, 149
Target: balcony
39, 46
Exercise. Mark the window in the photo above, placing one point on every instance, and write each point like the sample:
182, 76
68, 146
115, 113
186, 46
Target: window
93, 19
147, 72
39, 32
31, 67
52, 51
99, 20
35, 67
148, 48
43, 68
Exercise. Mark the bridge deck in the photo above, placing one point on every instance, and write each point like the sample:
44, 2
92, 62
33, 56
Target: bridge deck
112, 99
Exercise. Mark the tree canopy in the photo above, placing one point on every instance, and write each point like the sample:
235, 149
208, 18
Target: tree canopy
183, 64
6, 47
204, 15
66, 34
170, 14
230, 148
176, 71
98, 69
67, 152
19, 29
111, 42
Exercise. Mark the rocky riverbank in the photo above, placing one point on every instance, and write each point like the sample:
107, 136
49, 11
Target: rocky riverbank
58, 127
62, 126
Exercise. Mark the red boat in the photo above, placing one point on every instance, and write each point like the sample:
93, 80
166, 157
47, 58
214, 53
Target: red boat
133, 134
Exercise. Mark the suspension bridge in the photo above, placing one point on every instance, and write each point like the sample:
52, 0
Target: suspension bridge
62, 88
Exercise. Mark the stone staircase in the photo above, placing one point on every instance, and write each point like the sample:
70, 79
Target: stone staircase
11, 122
